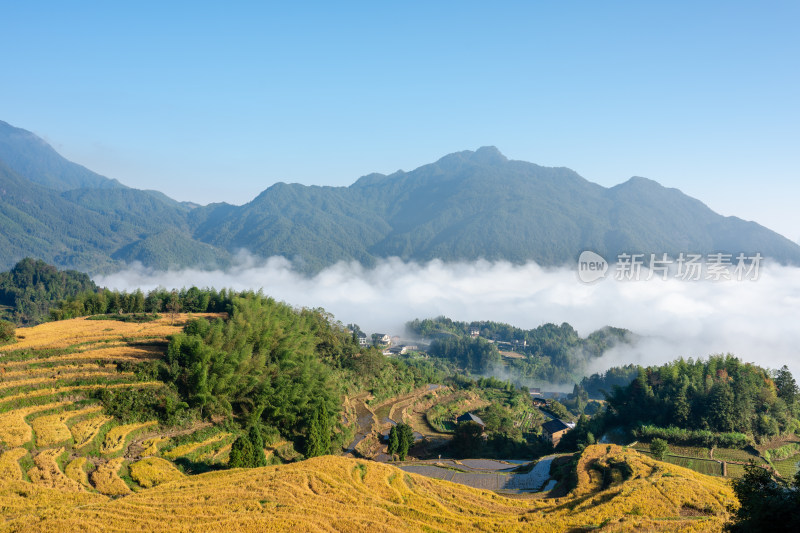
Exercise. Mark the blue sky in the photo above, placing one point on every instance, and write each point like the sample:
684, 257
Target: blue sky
210, 102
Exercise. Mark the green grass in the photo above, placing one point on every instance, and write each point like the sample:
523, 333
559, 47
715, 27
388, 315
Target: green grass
735, 470
689, 451
703, 466
732, 454
787, 467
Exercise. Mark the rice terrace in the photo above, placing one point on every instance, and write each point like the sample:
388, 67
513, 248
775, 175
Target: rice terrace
67, 465
424, 267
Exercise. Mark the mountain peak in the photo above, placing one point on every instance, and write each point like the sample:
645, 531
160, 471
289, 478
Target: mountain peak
488, 155
31, 157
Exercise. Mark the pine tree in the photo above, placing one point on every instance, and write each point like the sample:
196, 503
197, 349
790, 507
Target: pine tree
257, 444
241, 455
682, 408
394, 442
324, 423
786, 385
405, 439
314, 445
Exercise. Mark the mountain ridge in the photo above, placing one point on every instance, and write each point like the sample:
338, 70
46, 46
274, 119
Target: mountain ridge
465, 206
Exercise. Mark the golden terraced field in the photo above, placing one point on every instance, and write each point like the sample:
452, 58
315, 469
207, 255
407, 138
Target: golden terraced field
53, 433
67, 466
338, 494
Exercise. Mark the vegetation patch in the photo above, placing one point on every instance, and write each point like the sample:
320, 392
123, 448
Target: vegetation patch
153, 471
107, 480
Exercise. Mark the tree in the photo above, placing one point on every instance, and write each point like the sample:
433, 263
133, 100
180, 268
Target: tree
318, 441
394, 441
174, 305
720, 407
659, 448
405, 439
682, 410
467, 439
257, 445
7, 332
786, 385
766, 504
241, 455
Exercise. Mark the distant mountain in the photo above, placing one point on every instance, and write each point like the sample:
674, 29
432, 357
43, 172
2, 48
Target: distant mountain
29, 156
466, 206
472, 205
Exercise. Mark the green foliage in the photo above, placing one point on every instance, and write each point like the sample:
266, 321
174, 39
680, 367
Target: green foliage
696, 400
140, 405
552, 353
467, 440
257, 445
405, 439
659, 448
138, 307
32, 287
559, 410
766, 504
7, 332
394, 441
241, 454
694, 437
600, 385
318, 441
472, 355
786, 386
261, 366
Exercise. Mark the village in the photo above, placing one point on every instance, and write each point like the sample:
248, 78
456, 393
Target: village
431, 452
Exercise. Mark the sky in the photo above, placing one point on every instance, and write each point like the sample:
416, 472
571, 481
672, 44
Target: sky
210, 102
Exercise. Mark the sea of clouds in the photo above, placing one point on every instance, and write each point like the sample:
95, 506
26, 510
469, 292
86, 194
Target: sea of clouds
754, 320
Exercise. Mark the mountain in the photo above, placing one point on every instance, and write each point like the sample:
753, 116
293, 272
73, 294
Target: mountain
473, 205
28, 155
465, 206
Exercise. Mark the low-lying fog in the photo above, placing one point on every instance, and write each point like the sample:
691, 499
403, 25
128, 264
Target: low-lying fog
755, 320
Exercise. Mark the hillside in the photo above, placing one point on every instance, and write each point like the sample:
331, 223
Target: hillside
465, 206
28, 155
67, 464
618, 489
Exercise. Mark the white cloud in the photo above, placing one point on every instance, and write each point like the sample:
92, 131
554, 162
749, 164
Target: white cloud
755, 320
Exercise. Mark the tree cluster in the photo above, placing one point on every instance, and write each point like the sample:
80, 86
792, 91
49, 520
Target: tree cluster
472, 355
720, 394
160, 300
765, 503
552, 353
261, 365
247, 450
401, 438
31, 288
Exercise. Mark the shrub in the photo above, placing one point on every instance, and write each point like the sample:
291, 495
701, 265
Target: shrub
8, 332
659, 448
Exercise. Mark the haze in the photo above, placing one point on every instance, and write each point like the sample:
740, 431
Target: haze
215, 103
755, 320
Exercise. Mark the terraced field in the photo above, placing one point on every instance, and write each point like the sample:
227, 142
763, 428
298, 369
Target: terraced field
709, 462
66, 465
54, 433
339, 494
